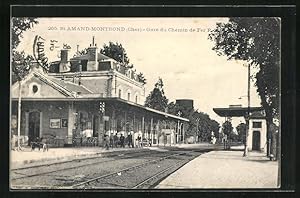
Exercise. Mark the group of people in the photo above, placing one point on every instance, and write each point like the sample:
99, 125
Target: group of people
114, 141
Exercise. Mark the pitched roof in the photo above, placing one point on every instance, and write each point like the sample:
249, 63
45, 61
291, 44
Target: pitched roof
68, 89
72, 86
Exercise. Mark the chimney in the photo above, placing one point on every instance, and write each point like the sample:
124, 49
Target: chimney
64, 65
92, 64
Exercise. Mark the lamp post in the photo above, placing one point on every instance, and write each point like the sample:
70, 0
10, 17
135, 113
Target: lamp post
19, 117
247, 115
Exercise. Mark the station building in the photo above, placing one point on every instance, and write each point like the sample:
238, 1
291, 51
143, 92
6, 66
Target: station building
89, 92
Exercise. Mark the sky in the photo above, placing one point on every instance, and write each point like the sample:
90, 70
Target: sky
176, 49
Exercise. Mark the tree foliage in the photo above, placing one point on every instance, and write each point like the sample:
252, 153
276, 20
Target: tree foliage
20, 61
20, 25
241, 130
141, 78
205, 126
21, 64
200, 124
157, 99
227, 128
117, 52
257, 41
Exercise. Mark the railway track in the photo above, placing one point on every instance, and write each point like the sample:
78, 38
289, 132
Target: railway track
120, 157
133, 170
100, 155
129, 173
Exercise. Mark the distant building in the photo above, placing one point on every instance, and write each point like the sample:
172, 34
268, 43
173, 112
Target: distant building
187, 103
89, 92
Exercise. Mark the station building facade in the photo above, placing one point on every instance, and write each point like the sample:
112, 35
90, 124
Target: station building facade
89, 92
257, 137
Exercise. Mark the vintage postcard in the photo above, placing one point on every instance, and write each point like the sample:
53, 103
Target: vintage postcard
145, 103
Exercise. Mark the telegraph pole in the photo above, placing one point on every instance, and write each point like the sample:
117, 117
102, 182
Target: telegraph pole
19, 116
248, 115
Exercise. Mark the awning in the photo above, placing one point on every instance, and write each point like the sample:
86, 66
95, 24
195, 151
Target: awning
236, 111
106, 99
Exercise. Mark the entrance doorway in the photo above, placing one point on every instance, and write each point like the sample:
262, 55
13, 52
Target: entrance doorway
33, 126
256, 141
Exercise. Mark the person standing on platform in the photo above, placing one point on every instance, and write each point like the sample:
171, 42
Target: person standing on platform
139, 139
111, 140
122, 140
116, 140
88, 134
106, 142
130, 143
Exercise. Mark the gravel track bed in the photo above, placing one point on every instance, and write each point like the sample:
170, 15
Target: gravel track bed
79, 174
56, 167
72, 159
132, 177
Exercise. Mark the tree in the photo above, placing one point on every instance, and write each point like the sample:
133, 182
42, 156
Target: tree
199, 125
157, 99
20, 65
227, 129
117, 52
256, 41
141, 78
20, 62
241, 130
204, 126
214, 125
20, 25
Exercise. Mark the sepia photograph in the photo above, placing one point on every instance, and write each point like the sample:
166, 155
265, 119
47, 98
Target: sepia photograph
145, 103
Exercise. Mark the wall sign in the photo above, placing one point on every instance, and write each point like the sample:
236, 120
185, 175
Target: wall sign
106, 118
55, 123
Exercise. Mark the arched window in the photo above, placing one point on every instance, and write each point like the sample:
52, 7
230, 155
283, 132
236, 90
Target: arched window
136, 99
128, 96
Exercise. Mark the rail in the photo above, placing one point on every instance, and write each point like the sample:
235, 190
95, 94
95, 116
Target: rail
139, 185
96, 179
73, 167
